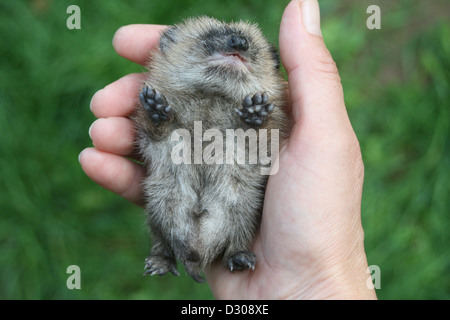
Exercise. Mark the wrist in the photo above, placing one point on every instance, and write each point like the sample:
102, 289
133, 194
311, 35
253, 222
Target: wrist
340, 277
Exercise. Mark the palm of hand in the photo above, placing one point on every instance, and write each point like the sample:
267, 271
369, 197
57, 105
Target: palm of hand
301, 222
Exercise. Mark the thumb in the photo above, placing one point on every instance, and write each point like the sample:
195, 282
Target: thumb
314, 83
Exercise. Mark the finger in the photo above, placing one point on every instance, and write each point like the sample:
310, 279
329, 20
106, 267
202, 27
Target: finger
113, 135
135, 42
314, 82
114, 173
118, 99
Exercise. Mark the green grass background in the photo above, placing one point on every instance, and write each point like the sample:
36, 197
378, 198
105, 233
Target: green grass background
396, 83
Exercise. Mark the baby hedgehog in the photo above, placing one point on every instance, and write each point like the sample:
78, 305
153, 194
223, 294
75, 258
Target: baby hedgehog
210, 76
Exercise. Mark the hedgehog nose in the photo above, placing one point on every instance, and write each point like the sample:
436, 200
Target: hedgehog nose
238, 42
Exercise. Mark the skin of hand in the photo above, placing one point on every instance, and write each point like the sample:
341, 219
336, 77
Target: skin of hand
311, 241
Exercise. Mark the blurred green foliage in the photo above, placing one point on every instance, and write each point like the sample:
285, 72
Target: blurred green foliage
396, 83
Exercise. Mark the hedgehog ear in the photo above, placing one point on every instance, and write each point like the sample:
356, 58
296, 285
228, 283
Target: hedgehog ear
167, 39
275, 56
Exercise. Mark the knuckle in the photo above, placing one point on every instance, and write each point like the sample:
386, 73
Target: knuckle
325, 66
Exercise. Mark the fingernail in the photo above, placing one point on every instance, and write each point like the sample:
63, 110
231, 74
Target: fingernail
90, 128
92, 99
90, 103
311, 16
79, 156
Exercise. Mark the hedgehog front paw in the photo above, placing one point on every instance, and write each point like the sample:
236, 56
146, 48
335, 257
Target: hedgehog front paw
154, 103
255, 108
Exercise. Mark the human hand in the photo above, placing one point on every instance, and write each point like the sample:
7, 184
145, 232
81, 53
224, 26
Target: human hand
311, 241
310, 244
112, 133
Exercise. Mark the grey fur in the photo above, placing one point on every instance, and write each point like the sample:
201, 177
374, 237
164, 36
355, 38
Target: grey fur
198, 212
